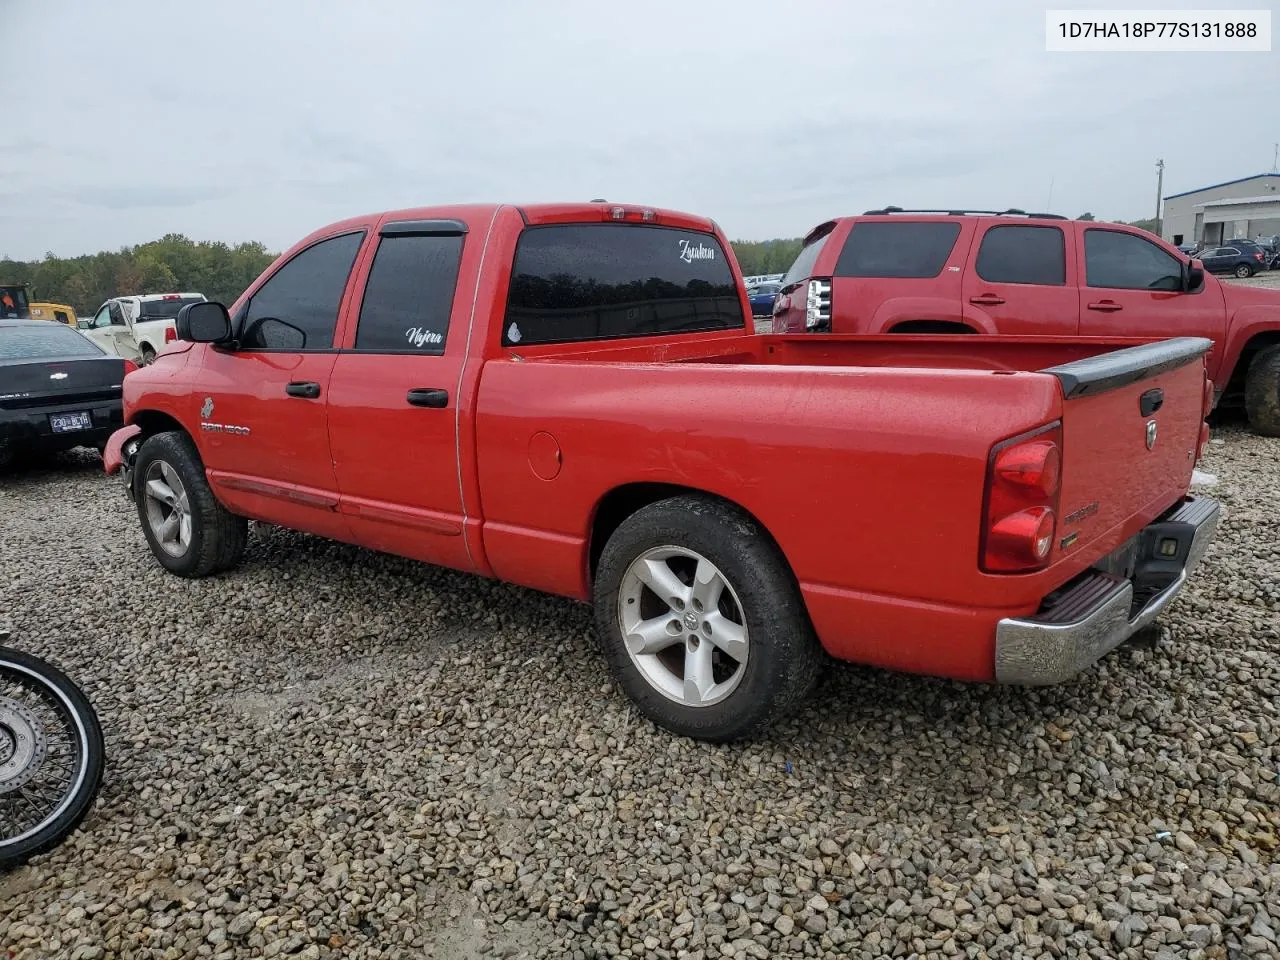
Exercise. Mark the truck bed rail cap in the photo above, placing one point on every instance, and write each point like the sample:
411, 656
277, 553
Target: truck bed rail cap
1118, 368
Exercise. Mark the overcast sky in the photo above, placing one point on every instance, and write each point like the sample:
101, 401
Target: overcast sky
262, 120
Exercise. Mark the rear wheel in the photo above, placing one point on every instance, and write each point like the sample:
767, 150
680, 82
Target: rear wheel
1244, 270
702, 621
1262, 391
188, 530
148, 354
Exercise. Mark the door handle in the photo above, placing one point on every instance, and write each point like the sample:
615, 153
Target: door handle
428, 397
308, 390
1106, 306
987, 300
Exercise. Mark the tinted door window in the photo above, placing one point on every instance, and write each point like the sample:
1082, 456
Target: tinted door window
297, 308
409, 295
116, 314
1123, 261
1018, 254
911, 249
595, 281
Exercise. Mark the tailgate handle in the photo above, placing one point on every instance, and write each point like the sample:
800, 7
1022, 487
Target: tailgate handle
1106, 306
1150, 402
987, 300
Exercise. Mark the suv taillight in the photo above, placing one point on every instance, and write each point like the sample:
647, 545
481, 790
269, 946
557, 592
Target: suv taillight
1020, 515
817, 305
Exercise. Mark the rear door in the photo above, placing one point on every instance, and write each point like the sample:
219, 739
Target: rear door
1018, 280
263, 427
393, 398
1131, 287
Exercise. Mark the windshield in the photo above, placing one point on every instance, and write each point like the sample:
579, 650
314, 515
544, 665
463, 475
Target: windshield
45, 341
13, 303
166, 309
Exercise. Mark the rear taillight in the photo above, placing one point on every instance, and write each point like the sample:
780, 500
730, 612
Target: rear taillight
129, 367
170, 334
817, 305
1024, 475
1258, 257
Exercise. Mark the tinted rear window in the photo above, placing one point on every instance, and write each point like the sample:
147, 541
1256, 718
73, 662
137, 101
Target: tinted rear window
1018, 254
49, 340
910, 249
598, 281
802, 269
164, 309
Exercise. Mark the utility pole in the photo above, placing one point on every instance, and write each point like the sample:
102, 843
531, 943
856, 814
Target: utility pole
1159, 192
1275, 159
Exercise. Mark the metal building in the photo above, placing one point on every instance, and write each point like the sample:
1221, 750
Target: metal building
1248, 208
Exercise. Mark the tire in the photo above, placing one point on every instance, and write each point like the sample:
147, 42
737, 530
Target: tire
1243, 271
75, 708
1262, 392
148, 354
757, 591
213, 539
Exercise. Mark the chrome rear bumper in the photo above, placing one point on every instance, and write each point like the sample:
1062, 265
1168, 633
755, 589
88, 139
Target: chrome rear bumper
1096, 613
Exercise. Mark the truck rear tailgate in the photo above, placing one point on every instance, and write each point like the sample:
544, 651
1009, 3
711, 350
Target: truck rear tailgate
1131, 426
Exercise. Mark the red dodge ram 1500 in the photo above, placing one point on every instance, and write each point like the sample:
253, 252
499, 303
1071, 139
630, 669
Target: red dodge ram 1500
892, 271
568, 397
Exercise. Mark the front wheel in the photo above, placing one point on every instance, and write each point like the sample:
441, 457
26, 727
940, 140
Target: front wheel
51, 756
188, 530
1244, 270
1262, 391
702, 621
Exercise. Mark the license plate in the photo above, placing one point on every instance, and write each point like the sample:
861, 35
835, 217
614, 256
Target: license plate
68, 422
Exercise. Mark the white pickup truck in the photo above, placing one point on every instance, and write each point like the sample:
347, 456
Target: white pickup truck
137, 328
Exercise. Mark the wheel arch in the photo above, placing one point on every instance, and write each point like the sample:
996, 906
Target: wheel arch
932, 327
155, 421
1239, 371
622, 502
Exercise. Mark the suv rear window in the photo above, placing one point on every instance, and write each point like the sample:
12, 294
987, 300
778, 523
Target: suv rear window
164, 309
910, 249
600, 281
802, 269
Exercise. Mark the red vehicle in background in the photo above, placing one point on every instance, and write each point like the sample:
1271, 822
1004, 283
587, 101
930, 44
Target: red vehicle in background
1009, 272
569, 397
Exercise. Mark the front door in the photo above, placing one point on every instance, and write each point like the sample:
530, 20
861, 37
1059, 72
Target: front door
110, 330
1131, 287
263, 426
1018, 281
393, 402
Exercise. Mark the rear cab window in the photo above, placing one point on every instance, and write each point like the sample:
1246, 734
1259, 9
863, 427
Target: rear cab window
606, 281
166, 309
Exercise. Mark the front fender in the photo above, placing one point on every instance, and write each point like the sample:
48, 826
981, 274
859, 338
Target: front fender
113, 455
1246, 323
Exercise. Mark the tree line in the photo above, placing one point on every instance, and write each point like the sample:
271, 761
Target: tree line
171, 264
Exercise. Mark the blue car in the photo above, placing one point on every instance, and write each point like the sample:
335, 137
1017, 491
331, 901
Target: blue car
762, 296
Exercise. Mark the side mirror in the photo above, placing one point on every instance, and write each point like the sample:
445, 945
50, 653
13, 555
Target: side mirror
1193, 276
84, 324
206, 322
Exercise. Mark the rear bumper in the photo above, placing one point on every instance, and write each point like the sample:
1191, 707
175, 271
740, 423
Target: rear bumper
30, 428
1100, 609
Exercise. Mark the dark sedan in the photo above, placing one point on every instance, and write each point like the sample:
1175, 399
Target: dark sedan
762, 296
1233, 260
58, 389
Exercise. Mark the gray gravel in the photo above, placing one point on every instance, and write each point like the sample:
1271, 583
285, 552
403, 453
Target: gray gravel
330, 753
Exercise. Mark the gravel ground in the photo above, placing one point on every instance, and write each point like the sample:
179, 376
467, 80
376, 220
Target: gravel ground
330, 753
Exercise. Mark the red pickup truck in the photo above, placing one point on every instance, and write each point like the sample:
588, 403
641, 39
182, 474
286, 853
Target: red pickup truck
571, 398
940, 272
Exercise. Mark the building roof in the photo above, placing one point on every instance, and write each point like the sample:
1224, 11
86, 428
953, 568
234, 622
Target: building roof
1236, 201
1224, 183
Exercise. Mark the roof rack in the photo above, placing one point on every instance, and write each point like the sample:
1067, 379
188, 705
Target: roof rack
1011, 212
